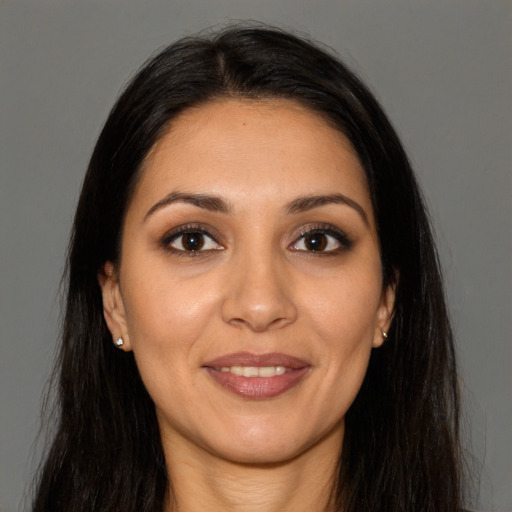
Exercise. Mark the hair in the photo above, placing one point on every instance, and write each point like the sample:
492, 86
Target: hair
401, 446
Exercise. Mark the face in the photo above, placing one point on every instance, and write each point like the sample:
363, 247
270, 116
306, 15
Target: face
250, 283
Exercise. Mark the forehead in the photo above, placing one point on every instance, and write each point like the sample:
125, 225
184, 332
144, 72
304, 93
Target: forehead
272, 150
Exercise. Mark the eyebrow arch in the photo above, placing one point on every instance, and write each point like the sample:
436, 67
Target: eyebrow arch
211, 203
305, 203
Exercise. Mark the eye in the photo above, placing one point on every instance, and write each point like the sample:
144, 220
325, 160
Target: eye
191, 241
321, 241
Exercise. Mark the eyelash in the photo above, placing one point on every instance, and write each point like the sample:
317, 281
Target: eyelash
328, 230
324, 229
184, 230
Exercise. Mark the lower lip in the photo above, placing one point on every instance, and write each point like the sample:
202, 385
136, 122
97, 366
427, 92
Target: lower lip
258, 388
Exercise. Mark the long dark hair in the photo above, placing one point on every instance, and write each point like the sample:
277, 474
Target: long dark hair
401, 447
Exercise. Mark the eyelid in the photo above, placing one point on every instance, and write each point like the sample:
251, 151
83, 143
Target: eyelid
191, 228
178, 231
327, 229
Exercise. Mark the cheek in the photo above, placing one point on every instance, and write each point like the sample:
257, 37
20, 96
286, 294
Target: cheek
345, 311
164, 313
166, 321
344, 318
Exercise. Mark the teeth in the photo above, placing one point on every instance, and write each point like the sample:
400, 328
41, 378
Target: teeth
254, 371
270, 371
250, 371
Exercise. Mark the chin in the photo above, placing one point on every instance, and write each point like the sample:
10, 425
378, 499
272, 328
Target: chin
261, 454
261, 446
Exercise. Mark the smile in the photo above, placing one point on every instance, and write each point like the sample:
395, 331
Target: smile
255, 376
254, 371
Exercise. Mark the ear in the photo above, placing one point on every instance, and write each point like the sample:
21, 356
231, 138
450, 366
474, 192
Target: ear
113, 307
384, 314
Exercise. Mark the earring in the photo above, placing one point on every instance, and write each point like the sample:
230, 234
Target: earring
119, 342
384, 334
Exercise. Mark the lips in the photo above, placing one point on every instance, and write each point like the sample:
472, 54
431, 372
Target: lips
257, 376
257, 360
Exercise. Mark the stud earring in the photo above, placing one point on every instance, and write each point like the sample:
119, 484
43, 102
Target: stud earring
119, 342
384, 334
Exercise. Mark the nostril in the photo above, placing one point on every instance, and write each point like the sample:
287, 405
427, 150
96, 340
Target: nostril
258, 296
236, 322
280, 322
260, 325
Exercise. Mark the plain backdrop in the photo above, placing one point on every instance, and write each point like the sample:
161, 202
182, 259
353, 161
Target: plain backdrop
442, 70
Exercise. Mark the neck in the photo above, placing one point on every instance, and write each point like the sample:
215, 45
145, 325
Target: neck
202, 481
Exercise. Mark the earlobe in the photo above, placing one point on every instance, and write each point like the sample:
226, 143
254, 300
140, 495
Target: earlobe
384, 315
113, 307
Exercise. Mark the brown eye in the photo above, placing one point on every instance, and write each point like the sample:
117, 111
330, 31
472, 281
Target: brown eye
315, 242
192, 241
326, 240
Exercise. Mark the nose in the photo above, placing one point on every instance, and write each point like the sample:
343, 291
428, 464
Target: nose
259, 294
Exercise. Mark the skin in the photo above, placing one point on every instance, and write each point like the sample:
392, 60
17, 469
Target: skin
254, 287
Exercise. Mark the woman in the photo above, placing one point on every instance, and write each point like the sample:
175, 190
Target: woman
255, 315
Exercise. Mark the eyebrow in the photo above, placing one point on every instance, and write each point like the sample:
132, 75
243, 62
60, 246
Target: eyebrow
305, 203
218, 204
207, 202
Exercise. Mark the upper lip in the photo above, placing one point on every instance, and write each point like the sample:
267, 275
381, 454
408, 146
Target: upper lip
256, 360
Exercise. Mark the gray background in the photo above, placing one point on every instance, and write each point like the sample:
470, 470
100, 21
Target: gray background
442, 70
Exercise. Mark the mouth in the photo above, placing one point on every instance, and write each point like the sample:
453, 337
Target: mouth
257, 376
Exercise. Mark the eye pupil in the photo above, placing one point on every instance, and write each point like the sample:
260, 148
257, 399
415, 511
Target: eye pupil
315, 241
192, 241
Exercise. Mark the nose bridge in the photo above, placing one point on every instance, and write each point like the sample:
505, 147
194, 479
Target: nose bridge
259, 295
